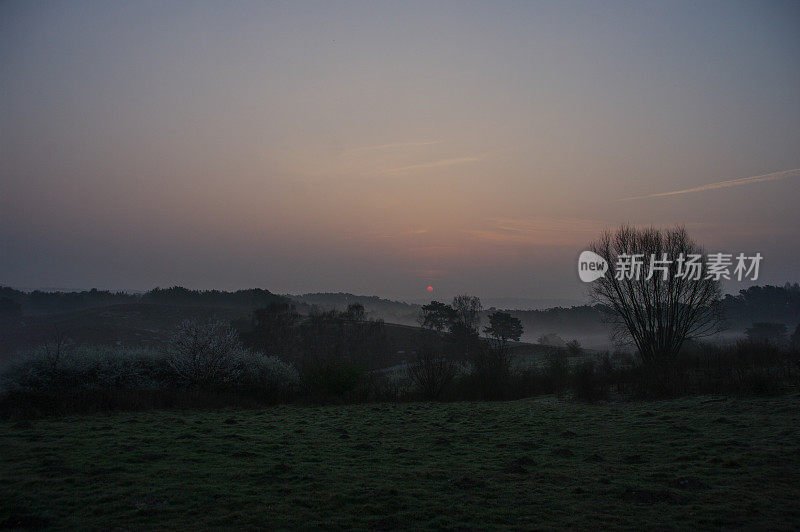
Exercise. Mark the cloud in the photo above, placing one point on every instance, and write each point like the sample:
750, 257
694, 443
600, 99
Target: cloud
393, 145
432, 274
540, 231
775, 176
411, 232
434, 164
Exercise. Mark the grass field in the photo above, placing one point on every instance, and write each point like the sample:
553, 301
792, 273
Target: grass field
533, 463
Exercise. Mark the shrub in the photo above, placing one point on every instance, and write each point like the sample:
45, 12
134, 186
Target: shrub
551, 339
767, 332
266, 376
743, 368
574, 348
795, 339
383, 386
756, 368
332, 379
492, 373
528, 382
557, 372
82, 369
431, 373
589, 383
204, 353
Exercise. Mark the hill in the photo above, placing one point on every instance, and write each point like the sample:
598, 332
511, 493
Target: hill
131, 324
375, 307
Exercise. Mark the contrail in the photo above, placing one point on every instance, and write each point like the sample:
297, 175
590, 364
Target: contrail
434, 164
393, 145
775, 176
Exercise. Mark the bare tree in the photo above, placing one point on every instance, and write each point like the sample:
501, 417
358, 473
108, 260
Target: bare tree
56, 347
662, 307
431, 372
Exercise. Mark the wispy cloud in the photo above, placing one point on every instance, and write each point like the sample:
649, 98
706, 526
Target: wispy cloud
409, 233
432, 274
393, 145
775, 176
542, 231
433, 164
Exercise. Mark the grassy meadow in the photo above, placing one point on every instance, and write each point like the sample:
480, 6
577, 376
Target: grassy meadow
538, 463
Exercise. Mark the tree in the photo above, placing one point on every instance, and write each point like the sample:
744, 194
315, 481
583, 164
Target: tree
795, 340
767, 332
431, 372
658, 314
468, 312
574, 348
464, 328
502, 328
274, 329
204, 354
493, 366
437, 316
355, 312
552, 339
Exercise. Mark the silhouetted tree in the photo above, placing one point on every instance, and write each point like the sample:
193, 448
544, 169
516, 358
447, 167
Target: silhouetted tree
552, 339
502, 328
432, 371
275, 330
437, 316
493, 365
574, 348
468, 312
337, 337
660, 312
354, 312
771, 333
465, 326
779, 304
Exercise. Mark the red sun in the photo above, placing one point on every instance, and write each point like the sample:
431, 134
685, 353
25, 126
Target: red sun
429, 289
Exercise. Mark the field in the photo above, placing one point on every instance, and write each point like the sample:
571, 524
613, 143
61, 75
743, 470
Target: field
706, 462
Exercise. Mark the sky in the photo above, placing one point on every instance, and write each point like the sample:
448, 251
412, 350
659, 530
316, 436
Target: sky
383, 147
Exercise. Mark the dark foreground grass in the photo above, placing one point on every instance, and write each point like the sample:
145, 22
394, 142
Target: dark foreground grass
525, 464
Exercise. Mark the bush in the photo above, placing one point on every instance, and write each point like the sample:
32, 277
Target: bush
73, 368
528, 382
383, 386
574, 348
749, 368
590, 382
265, 376
205, 354
204, 366
557, 371
743, 368
767, 332
431, 373
332, 379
